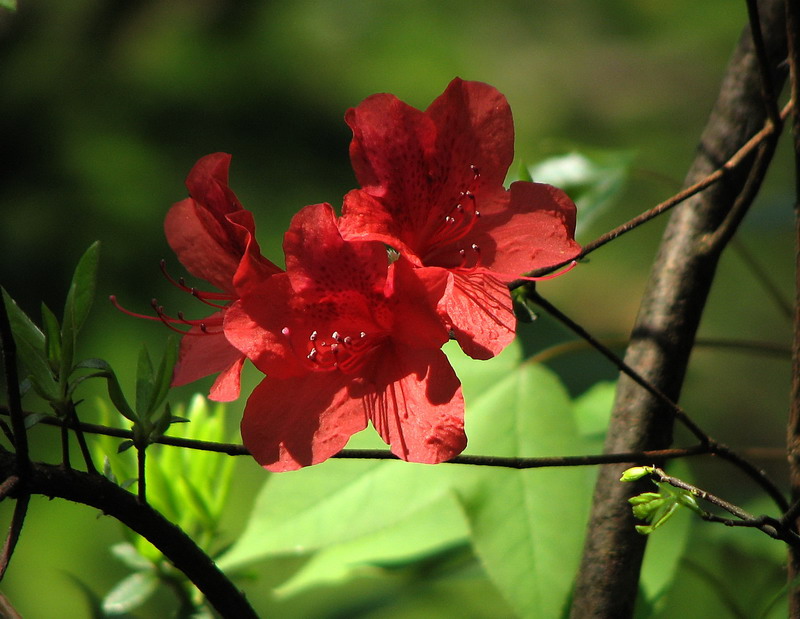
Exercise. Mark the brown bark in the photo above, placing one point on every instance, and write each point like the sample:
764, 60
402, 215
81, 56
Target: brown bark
670, 312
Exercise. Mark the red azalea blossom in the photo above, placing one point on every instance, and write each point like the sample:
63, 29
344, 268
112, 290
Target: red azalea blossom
432, 188
214, 238
344, 338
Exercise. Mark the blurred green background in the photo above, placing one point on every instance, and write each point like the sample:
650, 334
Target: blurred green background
105, 106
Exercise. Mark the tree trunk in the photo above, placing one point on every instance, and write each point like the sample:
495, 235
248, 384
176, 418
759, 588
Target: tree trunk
670, 312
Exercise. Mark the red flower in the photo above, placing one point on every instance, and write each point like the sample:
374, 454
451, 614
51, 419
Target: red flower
344, 338
432, 188
214, 238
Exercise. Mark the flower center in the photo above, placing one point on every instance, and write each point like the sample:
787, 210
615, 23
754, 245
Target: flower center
337, 351
458, 222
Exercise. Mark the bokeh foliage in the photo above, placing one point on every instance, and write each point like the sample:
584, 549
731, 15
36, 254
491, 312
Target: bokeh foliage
106, 105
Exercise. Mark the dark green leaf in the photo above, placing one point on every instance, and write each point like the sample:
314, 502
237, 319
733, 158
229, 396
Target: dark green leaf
37, 370
131, 592
144, 384
23, 328
114, 389
52, 338
163, 379
82, 289
124, 446
34, 418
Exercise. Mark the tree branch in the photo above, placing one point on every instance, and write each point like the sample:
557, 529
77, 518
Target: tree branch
96, 491
665, 329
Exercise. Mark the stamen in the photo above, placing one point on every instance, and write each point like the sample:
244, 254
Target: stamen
201, 295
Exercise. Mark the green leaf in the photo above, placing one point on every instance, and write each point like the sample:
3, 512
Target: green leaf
144, 384
433, 528
10, 5
114, 388
52, 338
592, 178
125, 446
664, 551
23, 328
37, 369
126, 553
33, 418
163, 378
592, 410
333, 502
131, 592
82, 289
527, 526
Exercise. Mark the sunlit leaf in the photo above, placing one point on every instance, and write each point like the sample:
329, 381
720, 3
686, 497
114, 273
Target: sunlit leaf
127, 554
333, 502
131, 592
527, 526
436, 526
593, 179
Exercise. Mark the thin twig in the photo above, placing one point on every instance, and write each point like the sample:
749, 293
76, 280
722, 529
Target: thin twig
771, 526
712, 178
233, 449
792, 13
22, 461
768, 94
98, 492
720, 449
763, 277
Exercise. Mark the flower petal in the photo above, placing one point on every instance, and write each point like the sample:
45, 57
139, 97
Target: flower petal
320, 262
254, 325
418, 164
534, 229
205, 248
414, 295
480, 312
414, 401
295, 422
228, 384
202, 354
